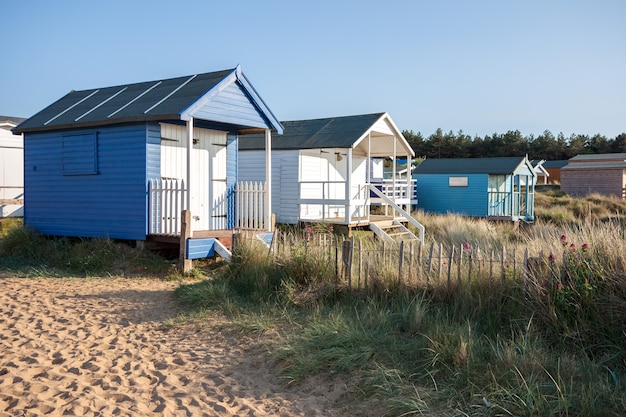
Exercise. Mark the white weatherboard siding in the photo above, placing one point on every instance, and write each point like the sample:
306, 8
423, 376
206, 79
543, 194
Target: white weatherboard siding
208, 163
251, 165
251, 168
382, 126
322, 176
286, 196
359, 180
11, 172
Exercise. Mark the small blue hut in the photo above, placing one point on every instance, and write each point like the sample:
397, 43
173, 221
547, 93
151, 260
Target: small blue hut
494, 188
122, 162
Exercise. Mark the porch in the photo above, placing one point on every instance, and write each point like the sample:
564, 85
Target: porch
326, 201
246, 208
517, 202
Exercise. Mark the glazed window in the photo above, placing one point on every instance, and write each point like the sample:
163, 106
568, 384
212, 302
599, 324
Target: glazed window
457, 181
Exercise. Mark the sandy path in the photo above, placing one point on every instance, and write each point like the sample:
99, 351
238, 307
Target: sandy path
98, 348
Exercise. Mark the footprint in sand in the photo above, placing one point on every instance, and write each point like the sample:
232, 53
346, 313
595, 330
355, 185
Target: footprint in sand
90, 366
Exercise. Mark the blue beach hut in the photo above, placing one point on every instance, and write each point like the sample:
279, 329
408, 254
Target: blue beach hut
494, 188
122, 162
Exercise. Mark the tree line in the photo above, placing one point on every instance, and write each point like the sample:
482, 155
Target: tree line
512, 143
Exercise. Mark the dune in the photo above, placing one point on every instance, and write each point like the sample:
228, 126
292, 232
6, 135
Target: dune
99, 347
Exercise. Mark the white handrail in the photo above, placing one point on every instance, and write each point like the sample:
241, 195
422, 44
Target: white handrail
404, 214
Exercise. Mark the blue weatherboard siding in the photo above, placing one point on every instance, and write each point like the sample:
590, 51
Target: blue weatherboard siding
200, 248
436, 196
232, 106
110, 203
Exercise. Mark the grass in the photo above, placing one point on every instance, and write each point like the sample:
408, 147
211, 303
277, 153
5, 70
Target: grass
554, 347
25, 252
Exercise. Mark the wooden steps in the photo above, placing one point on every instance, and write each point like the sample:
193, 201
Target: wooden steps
392, 231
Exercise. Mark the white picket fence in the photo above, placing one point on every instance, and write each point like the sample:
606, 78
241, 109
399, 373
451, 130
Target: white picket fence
167, 199
250, 205
166, 202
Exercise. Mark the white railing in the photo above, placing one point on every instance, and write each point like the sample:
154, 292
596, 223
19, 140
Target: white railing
167, 199
402, 193
402, 212
250, 205
327, 201
165, 203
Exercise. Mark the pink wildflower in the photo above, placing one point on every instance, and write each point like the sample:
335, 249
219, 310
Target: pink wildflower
331, 228
467, 247
585, 247
551, 258
563, 240
559, 286
572, 247
309, 229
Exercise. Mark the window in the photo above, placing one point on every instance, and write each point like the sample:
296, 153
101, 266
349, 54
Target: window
80, 154
457, 181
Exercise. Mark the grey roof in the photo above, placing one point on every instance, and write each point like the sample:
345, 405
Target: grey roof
599, 157
596, 161
555, 164
138, 102
506, 165
332, 132
11, 119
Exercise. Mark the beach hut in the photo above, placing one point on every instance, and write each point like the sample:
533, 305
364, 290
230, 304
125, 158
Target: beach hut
494, 188
11, 169
553, 168
540, 171
331, 170
123, 162
599, 173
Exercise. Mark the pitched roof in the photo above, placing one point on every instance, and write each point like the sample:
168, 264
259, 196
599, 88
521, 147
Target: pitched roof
555, 164
332, 132
168, 99
10, 120
597, 161
599, 157
506, 165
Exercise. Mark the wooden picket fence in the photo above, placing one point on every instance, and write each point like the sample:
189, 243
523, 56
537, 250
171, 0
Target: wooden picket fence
359, 263
250, 204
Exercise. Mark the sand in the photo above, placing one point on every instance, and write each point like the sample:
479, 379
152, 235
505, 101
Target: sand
99, 347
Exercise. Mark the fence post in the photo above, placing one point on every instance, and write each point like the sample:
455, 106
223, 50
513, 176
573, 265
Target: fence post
503, 265
439, 262
430, 263
401, 258
336, 257
419, 261
470, 257
185, 232
358, 285
525, 268
458, 267
450, 258
410, 261
351, 262
346, 257
514, 262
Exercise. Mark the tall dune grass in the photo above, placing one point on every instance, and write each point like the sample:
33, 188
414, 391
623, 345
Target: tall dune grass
552, 344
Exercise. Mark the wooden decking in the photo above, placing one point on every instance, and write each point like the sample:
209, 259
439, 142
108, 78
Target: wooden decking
224, 236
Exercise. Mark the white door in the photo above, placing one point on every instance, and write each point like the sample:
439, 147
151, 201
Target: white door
218, 209
200, 160
208, 172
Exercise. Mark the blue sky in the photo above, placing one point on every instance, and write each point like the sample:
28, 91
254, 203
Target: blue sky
479, 66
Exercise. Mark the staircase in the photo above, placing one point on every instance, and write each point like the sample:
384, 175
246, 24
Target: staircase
392, 231
397, 230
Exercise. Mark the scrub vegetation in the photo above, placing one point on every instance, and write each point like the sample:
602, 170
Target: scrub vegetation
551, 344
